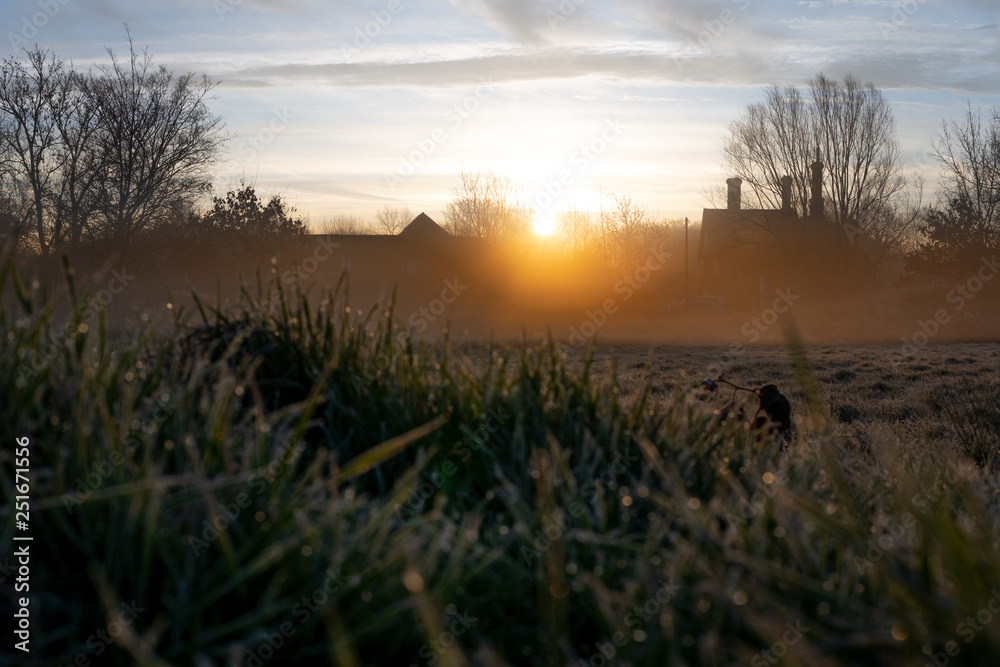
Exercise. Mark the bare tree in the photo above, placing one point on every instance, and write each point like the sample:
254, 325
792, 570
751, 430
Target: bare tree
486, 205
630, 234
852, 127
577, 232
955, 235
157, 139
28, 131
392, 220
969, 153
350, 225
75, 112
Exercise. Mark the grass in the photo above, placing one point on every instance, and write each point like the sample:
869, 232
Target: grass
312, 486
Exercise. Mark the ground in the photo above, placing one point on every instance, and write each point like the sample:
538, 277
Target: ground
870, 389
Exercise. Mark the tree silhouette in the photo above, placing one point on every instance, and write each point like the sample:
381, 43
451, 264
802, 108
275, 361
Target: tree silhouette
244, 214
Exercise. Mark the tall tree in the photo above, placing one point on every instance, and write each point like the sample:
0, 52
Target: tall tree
29, 134
157, 139
852, 127
969, 153
956, 236
75, 113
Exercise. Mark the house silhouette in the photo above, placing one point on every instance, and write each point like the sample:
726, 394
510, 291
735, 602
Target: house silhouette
419, 258
747, 253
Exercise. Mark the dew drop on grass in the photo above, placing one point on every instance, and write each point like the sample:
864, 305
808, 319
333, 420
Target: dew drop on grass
413, 582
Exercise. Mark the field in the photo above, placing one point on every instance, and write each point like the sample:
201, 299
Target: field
872, 393
314, 487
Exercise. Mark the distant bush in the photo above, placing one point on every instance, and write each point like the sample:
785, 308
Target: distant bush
243, 214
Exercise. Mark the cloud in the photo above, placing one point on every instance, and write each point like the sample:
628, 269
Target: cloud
520, 19
555, 63
939, 69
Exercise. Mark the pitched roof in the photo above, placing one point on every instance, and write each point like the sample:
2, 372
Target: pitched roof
423, 228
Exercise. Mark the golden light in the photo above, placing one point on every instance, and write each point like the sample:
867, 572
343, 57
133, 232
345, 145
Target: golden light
545, 225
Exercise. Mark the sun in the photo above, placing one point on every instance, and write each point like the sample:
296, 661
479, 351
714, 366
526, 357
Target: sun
544, 225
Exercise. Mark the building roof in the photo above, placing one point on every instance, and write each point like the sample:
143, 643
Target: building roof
423, 228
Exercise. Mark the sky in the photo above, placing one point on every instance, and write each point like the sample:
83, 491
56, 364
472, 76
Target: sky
347, 106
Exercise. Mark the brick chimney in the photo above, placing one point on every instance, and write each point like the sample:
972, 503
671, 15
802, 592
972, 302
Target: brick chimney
786, 193
735, 197
816, 202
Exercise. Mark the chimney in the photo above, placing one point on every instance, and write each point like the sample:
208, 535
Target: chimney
786, 193
734, 193
816, 203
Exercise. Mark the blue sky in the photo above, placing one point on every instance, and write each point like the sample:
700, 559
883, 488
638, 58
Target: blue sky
346, 106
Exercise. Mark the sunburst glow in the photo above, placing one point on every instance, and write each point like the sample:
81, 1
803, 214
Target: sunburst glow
545, 225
